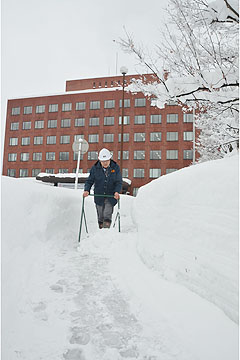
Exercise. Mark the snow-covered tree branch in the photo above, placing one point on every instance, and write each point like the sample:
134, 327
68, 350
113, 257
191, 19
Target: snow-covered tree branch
199, 52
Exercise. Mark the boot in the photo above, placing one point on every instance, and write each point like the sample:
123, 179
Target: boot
106, 224
100, 225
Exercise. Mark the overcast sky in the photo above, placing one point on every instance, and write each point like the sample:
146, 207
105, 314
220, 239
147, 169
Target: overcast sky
46, 42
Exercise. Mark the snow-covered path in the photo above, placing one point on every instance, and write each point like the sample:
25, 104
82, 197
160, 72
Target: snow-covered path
101, 302
105, 310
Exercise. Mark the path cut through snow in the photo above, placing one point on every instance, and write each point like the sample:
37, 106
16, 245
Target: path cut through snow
101, 302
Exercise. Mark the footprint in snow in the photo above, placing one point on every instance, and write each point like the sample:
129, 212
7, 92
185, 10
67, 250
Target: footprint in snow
74, 354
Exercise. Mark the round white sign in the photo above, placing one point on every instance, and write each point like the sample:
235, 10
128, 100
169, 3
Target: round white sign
81, 145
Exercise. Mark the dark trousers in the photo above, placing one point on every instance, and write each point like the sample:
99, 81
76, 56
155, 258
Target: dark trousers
104, 212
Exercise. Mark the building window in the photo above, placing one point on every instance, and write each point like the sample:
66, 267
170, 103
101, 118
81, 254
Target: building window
172, 118
109, 120
27, 110
81, 105
25, 141
138, 137
139, 119
105, 83
188, 136
52, 124
64, 155
12, 157
155, 154
38, 140
139, 155
75, 156
108, 138
125, 137
155, 136
126, 120
37, 156
67, 107
80, 122
53, 108
26, 125
94, 105
66, 123
125, 172
94, 121
80, 171
154, 101
172, 154
92, 155
65, 139
125, 155
187, 154
24, 156
135, 191
49, 171
13, 141
63, 171
93, 138
50, 156
109, 104
16, 110
51, 139
35, 172
140, 102
188, 118
14, 126
39, 124
156, 119
169, 171
172, 103
154, 173
11, 172
126, 103
138, 173
40, 109
23, 172
78, 137
172, 136
94, 85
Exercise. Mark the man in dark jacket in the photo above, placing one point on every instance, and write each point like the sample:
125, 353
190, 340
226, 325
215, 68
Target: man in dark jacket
107, 179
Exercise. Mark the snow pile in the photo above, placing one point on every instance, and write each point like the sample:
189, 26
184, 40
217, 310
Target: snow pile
104, 303
192, 230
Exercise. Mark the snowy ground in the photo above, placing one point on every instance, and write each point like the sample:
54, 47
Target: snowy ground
164, 288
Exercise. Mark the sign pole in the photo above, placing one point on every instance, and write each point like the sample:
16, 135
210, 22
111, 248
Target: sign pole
78, 164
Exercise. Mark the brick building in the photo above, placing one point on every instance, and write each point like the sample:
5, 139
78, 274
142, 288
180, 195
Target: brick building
40, 131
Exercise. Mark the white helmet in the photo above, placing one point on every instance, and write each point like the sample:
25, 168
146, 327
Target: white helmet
104, 155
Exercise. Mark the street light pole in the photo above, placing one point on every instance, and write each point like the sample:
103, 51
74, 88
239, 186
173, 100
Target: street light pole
124, 71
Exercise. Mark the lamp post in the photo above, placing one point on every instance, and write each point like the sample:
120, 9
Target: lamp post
123, 71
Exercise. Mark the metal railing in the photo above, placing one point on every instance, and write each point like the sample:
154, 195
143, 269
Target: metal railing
83, 215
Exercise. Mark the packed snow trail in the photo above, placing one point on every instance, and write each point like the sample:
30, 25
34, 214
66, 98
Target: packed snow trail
101, 303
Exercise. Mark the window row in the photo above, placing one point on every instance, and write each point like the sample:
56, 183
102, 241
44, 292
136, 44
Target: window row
107, 121
107, 138
137, 173
93, 155
81, 105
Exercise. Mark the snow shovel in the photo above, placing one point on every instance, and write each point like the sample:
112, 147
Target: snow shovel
83, 216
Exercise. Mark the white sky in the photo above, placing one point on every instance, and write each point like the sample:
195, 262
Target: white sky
46, 42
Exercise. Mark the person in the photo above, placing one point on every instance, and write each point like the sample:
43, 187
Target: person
106, 177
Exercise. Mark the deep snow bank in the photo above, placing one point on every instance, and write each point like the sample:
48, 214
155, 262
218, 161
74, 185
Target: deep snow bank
191, 221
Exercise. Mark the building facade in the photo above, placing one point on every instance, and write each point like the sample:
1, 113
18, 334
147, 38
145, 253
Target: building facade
40, 132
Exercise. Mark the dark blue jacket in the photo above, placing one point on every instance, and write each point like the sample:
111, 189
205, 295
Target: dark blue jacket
104, 184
